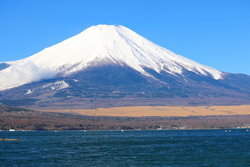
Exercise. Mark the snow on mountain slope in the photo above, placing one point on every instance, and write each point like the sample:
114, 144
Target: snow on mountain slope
23, 72
50, 87
99, 44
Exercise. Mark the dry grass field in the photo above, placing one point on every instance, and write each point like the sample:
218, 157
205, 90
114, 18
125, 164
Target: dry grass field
144, 111
126, 118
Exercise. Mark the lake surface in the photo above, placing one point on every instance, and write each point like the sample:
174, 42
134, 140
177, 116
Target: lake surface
128, 148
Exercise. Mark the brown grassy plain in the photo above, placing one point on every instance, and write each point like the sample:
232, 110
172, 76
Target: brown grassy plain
126, 118
146, 111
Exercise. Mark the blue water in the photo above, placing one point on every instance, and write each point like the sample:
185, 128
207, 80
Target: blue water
128, 148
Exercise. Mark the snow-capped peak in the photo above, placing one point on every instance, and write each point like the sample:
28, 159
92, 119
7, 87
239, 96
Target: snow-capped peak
112, 44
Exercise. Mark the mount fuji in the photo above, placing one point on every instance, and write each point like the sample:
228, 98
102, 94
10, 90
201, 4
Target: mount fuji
107, 63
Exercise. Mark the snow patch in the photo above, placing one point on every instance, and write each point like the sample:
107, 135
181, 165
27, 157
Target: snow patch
50, 87
28, 92
56, 86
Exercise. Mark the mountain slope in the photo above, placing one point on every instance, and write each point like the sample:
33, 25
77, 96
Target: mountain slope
114, 44
109, 62
100, 44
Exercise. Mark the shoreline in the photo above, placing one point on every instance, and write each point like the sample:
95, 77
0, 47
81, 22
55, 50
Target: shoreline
248, 129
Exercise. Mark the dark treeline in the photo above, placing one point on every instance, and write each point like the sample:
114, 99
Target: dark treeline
23, 119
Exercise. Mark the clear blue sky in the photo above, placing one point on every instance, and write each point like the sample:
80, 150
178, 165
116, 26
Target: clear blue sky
212, 32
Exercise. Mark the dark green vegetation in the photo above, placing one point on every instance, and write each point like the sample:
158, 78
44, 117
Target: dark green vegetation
23, 119
18, 102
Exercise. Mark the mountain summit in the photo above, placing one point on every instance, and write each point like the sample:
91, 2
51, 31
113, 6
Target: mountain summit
114, 44
107, 61
102, 44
